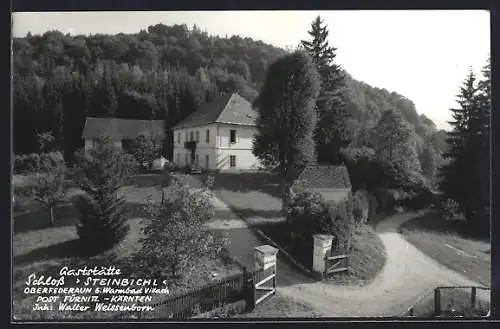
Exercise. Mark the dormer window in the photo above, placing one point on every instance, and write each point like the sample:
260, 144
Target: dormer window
232, 136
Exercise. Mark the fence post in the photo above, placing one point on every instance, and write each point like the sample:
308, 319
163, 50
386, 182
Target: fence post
437, 302
274, 279
322, 245
249, 290
473, 298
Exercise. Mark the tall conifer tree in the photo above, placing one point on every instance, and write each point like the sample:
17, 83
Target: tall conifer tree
332, 132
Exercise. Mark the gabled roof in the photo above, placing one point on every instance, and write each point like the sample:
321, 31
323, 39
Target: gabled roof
324, 176
121, 128
228, 108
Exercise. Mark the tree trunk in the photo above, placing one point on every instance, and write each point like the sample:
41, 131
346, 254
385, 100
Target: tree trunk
51, 216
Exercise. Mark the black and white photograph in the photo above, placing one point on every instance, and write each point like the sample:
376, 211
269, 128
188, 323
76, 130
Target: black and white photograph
244, 165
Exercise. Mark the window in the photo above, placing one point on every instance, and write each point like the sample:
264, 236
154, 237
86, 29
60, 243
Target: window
191, 136
207, 137
206, 162
186, 136
197, 136
178, 158
232, 137
232, 161
197, 159
186, 159
178, 138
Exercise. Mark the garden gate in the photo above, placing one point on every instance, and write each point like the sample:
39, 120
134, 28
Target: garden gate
325, 260
336, 262
265, 272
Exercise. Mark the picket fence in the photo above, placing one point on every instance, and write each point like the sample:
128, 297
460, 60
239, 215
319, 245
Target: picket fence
227, 290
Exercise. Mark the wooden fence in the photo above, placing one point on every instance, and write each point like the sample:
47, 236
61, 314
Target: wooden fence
461, 301
228, 290
336, 261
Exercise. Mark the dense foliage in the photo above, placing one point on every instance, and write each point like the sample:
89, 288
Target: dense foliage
465, 178
177, 233
100, 174
47, 183
146, 149
287, 118
36, 162
309, 213
333, 131
164, 72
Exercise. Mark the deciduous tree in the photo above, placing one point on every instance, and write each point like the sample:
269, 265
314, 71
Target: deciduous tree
178, 235
48, 185
286, 112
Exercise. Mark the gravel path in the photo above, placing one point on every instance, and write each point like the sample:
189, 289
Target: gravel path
407, 276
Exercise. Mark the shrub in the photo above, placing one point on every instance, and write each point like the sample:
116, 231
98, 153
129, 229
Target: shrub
209, 181
145, 149
450, 210
50, 160
360, 208
339, 222
372, 205
34, 162
100, 173
387, 198
170, 166
304, 212
226, 311
28, 163
178, 235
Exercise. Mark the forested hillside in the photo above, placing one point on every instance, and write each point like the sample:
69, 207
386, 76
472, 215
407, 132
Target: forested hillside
165, 72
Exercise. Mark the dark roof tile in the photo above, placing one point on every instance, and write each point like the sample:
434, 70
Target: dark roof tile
228, 108
121, 128
325, 176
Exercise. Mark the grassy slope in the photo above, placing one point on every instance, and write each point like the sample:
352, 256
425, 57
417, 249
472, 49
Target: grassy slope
436, 238
255, 197
451, 299
44, 250
279, 306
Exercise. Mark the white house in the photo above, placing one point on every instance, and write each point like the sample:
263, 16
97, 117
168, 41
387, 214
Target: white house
223, 131
120, 131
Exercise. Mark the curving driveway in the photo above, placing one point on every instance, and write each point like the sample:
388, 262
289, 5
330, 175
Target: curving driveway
407, 276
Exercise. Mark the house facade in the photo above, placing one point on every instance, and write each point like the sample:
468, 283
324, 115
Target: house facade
120, 131
223, 132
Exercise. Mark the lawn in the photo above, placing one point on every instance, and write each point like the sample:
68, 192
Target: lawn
41, 249
255, 197
439, 240
280, 306
277, 306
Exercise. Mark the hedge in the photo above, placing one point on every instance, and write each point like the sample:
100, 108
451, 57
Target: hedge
34, 162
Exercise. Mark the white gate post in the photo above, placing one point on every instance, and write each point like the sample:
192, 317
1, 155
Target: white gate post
265, 257
322, 244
